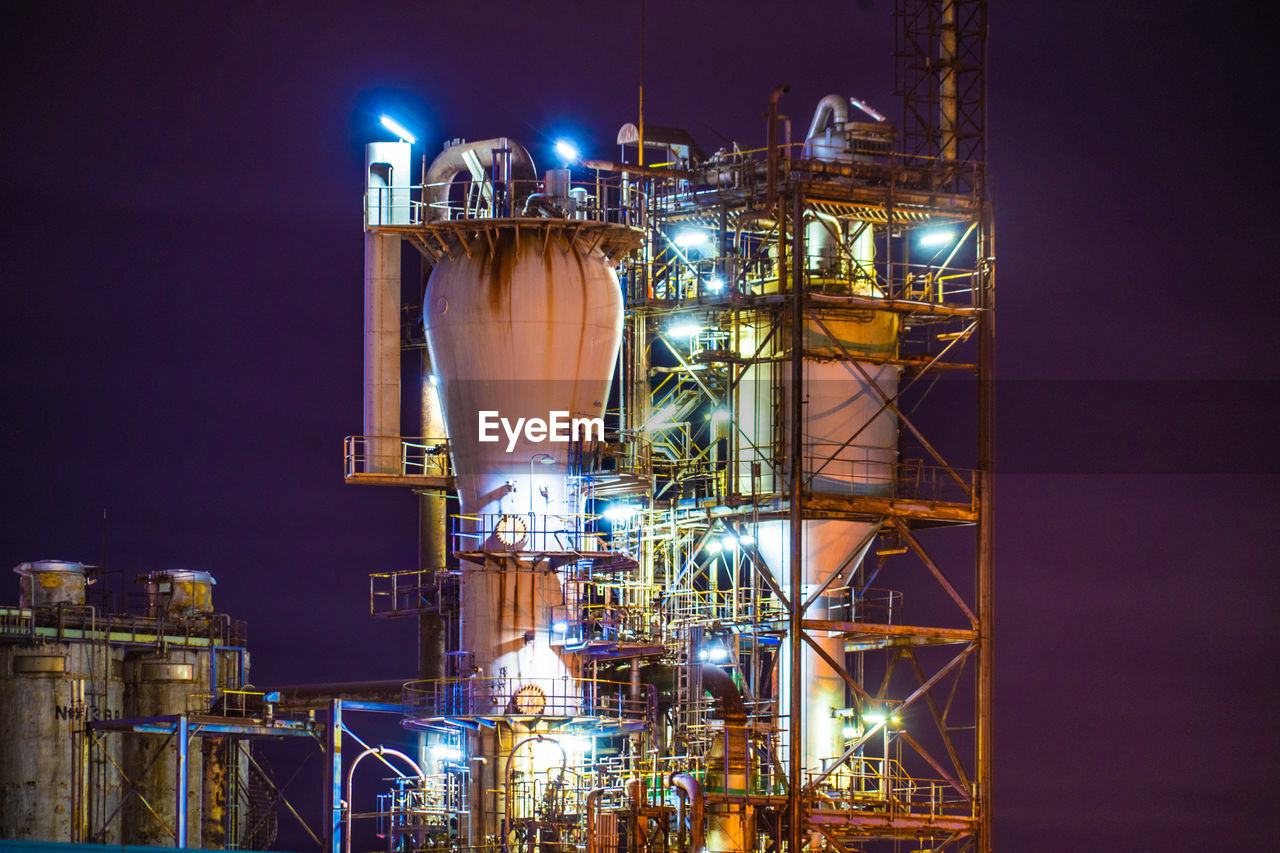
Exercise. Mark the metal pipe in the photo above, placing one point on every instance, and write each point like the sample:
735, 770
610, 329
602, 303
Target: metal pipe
381, 751
593, 798
506, 772
771, 195
830, 107
691, 788
796, 722
180, 794
452, 161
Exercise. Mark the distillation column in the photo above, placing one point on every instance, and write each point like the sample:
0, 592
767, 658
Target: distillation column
518, 329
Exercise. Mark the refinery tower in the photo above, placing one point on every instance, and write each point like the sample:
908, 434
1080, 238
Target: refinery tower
703, 467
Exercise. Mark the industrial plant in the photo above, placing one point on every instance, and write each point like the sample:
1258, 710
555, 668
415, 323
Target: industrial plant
703, 470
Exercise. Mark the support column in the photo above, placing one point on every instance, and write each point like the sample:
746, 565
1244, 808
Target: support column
180, 789
333, 779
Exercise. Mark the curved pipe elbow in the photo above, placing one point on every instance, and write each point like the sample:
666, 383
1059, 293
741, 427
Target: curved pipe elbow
833, 107
691, 788
451, 162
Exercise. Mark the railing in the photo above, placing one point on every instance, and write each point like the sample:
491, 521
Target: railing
397, 456
586, 622
606, 199
568, 533
412, 591
867, 783
575, 698
213, 629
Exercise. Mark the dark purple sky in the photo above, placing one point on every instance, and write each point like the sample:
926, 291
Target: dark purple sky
182, 333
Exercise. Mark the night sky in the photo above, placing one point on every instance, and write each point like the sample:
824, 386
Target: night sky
182, 334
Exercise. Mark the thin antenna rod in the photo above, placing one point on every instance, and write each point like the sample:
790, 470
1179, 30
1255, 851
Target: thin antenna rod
640, 125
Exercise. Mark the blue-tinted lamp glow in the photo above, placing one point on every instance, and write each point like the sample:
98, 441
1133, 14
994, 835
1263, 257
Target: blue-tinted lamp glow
567, 151
398, 129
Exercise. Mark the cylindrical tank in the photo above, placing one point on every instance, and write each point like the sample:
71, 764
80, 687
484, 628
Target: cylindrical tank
179, 594
45, 583
158, 685
47, 694
838, 402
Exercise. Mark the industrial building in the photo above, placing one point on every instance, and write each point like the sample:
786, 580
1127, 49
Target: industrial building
698, 571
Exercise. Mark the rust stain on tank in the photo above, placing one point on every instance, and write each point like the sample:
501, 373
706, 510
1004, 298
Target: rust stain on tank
497, 271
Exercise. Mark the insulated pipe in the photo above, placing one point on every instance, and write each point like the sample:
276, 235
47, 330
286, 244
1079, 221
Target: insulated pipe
832, 106
302, 696
690, 787
453, 161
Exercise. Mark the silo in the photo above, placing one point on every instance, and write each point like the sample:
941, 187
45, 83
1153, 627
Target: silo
161, 683
48, 691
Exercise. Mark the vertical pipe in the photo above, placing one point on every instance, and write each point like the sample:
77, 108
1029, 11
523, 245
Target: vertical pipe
180, 786
432, 536
796, 435
986, 527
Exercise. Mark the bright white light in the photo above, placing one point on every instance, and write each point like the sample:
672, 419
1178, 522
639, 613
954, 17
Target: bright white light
560, 627
619, 512
577, 745
566, 151
746, 539
691, 239
849, 731
721, 416
879, 718
702, 654
729, 542
398, 129
713, 546
937, 238
715, 285
717, 654
683, 330
433, 380
446, 753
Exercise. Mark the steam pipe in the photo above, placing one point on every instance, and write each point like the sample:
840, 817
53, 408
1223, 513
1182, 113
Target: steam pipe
687, 786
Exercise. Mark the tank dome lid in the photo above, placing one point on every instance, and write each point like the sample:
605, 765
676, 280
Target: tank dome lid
42, 566
192, 575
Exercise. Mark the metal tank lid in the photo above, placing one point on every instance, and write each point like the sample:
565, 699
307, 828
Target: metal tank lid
38, 566
181, 575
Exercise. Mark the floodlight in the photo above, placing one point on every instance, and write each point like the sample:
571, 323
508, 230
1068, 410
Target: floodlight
937, 238
691, 239
683, 330
398, 129
567, 151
